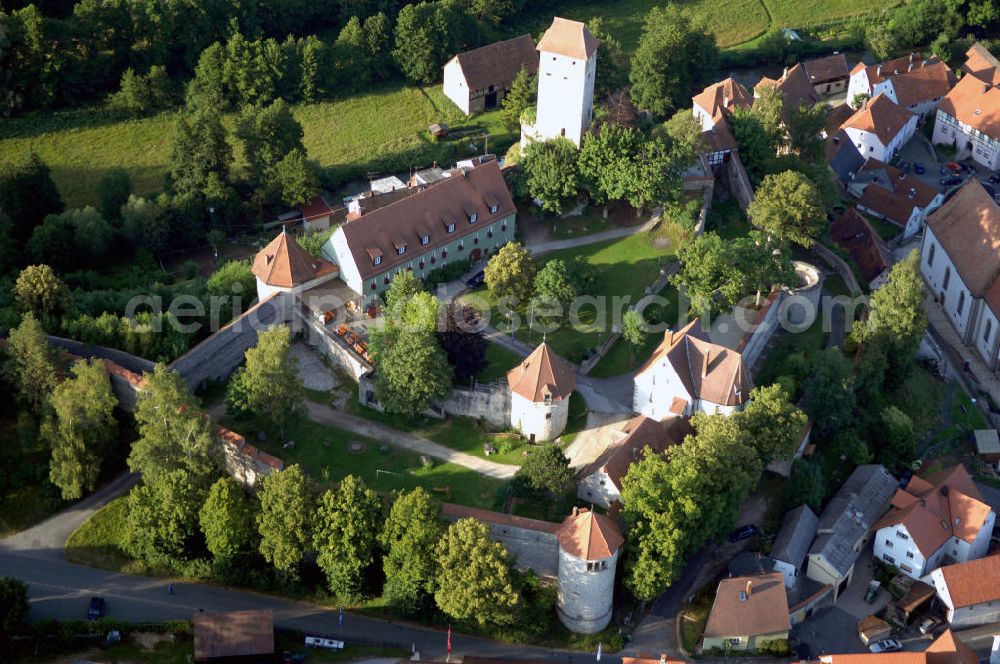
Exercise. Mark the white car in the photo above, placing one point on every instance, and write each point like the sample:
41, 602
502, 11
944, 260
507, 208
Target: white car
887, 645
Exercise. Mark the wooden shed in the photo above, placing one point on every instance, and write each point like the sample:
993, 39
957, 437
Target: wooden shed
233, 634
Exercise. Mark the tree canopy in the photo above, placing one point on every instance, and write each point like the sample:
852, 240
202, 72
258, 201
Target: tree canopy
162, 517
31, 363
551, 172
227, 519
409, 537
269, 383
474, 577
41, 292
344, 536
787, 205
510, 273
284, 519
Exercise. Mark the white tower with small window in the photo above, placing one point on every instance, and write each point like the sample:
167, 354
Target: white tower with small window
567, 68
589, 545
540, 388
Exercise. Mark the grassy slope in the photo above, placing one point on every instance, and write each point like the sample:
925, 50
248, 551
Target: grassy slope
96, 542
80, 146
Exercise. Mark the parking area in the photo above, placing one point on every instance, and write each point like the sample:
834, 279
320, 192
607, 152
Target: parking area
939, 171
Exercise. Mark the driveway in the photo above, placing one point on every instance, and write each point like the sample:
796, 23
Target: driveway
48, 538
602, 430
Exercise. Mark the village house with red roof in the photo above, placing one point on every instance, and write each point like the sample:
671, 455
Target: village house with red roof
970, 591
969, 116
940, 520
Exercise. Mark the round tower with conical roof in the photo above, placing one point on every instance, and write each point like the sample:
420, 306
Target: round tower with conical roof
589, 544
540, 387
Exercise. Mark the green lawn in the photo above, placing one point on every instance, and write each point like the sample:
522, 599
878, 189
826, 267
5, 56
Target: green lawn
624, 269
499, 361
97, 541
325, 453
622, 357
920, 397
348, 137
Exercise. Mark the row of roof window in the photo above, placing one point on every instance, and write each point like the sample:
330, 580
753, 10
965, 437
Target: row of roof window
399, 244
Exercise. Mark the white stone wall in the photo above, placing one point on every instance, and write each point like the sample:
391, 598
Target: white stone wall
655, 390
949, 131
586, 598
538, 420
858, 85
598, 489
336, 251
490, 403
788, 570
936, 271
565, 96
987, 337
870, 146
454, 87
703, 117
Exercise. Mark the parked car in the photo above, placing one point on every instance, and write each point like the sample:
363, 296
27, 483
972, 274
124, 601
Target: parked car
746, 532
954, 167
951, 180
995, 178
477, 280
930, 625
96, 609
873, 587
918, 167
887, 645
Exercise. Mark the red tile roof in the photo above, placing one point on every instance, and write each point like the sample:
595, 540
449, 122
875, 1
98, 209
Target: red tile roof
924, 82
879, 116
794, 84
974, 582
853, 232
764, 610
831, 68
975, 104
233, 634
590, 536
285, 264
569, 38
542, 375
980, 63
725, 95
892, 193
643, 436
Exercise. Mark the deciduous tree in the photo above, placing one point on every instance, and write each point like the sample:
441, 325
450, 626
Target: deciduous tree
409, 537
772, 424
633, 328
828, 393
473, 577
113, 190
553, 283
284, 520
412, 372
806, 485
173, 433
520, 97
295, 178
897, 448
344, 535
31, 363
227, 520
268, 134
80, 428
14, 604
200, 151
39, 291
269, 382
676, 56
546, 471
552, 174
788, 206
162, 517
510, 273
28, 194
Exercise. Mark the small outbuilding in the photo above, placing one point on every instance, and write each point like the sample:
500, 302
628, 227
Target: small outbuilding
988, 446
477, 80
233, 634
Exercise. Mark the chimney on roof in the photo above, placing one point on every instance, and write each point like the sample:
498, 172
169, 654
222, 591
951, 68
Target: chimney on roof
944, 489
706, 360
784, 73
725, 99
749, 586
576, 511
911, 58
913, 192
878, 70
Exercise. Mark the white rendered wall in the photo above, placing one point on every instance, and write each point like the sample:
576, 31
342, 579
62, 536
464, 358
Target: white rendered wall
655, 390
598, 489
858, 85
544, 422
565, 96
454, 86
585, 599
934, 275
703, 117
337, 251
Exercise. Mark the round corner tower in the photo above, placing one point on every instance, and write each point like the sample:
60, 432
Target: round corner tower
589, 545
540, 387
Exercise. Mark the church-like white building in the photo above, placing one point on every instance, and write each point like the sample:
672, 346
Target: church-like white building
567, 68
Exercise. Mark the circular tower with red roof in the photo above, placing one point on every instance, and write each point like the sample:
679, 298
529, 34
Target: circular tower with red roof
589, 544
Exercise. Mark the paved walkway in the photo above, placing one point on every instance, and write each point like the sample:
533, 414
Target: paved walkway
386, 434
49, 537
582, 241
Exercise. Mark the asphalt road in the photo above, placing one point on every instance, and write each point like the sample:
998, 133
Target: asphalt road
62, 590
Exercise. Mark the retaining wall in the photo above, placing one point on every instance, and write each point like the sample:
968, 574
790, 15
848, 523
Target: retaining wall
489, 402
738, 181
217, 356
532, 543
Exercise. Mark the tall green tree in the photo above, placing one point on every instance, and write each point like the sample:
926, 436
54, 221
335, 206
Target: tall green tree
676, 56
31, 364
474, 578
806, 486
803, 127
546, 471
113, 190
634, 328
772, 424
520, 96
552, 173
28, 194
553, 283
80, 428
426, 34
227, 519
618, 163
787, 205
404, 286
199, 154
510, 273
896, 317
897, 448
707, 273
285, 518
828, 392
39, 291
268, 134
409, 538
413, 371
162, 519
768, 106
344, 535
173, 433
612, 74
269, 383
146, 224
754, 142
674, 505
296, 179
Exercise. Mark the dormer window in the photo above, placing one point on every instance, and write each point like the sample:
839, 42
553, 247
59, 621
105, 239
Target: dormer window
401, 250
377, 260
425, 239
493, 209
473, 218
451, 228
375, 254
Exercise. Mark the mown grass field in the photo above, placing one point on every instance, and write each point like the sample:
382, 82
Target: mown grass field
347, 136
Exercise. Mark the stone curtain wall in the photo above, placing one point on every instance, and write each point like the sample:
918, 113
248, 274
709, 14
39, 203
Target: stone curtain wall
739, 183
532, 543
125, 360
217, 356
490, 403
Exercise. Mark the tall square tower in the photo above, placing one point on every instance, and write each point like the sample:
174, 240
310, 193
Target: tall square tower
567, 68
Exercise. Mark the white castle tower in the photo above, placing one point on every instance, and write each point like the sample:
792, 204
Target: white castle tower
567, 68
540, 387
589, 545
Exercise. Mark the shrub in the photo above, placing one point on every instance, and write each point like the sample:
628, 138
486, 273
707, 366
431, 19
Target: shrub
449, 272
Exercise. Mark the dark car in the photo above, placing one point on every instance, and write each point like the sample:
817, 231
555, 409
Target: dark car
918, 167
746, 532
995, 178
477, 280
950, 180
888, 645
96, 609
